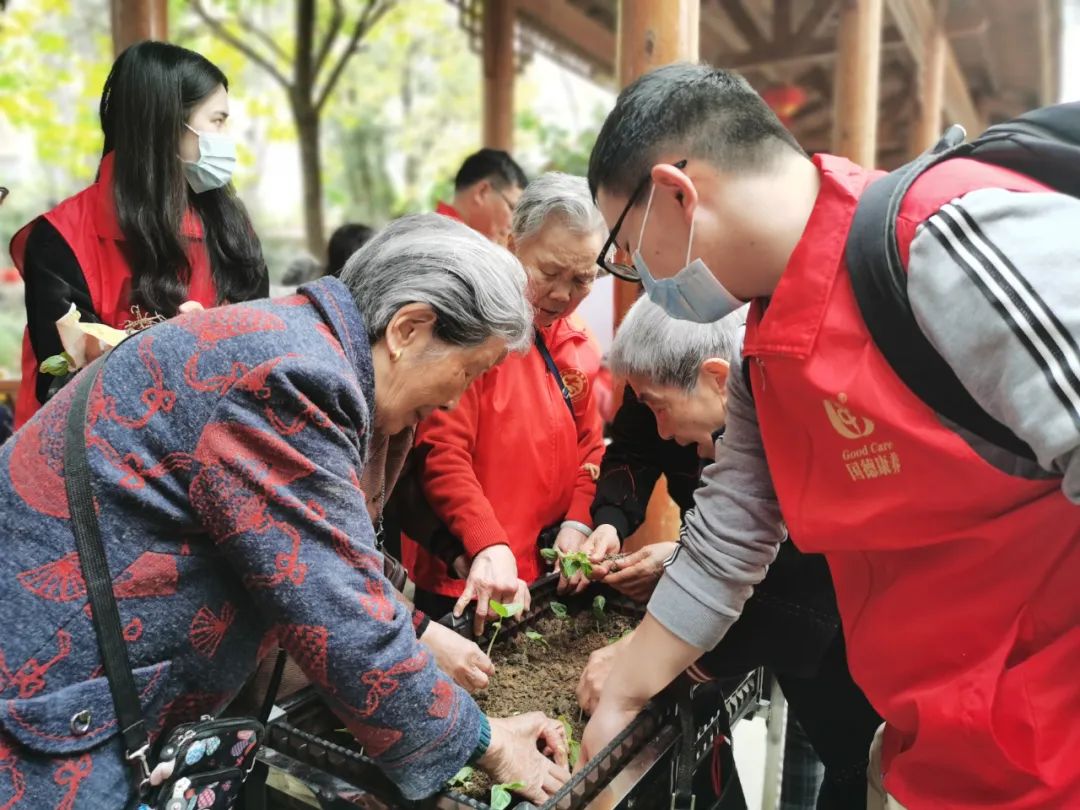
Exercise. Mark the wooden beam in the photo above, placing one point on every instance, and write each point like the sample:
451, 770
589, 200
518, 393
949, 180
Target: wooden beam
814, 19
856, 86
652, 33
797, 54
497, 32
926, 129
566, 23
1049, 54
781, 21
915, 21
137, 20
745, 24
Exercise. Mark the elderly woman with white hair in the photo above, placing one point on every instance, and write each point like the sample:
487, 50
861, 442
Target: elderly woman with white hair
519, 455
672, 421
226, 450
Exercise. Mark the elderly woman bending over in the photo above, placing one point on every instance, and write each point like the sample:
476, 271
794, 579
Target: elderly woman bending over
226, 450
520, 453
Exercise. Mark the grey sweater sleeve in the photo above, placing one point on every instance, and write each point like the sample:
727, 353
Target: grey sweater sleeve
729, 538
994, 282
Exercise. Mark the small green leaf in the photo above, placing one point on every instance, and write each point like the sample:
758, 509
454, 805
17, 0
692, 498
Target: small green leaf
598, 605
58, 365
532, 635
559, 609
573, 746
462, 777
549, 554
500, 795
505, 611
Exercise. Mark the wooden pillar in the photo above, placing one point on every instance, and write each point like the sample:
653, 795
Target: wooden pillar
652, 33
927, 128
856, 86
137, 20
498, 65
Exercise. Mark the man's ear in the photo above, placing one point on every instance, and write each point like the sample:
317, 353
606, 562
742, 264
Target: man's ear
677, 184
714, 372
411, 328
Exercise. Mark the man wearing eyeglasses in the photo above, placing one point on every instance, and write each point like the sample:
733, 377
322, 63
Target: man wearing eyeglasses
486, 191
955, 563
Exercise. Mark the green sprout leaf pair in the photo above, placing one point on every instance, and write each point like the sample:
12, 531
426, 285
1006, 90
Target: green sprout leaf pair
504, 612
573, 746
533, 635
598, 605
560, 611
576, 562
58, 365
463, 778
500, 794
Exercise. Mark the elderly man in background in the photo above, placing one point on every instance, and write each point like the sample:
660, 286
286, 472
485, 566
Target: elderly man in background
226, 450
486, 192
519, 454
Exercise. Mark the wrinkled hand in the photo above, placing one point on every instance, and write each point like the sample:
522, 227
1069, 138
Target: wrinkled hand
492, 575
636, 575
605, 724
514, 754
458, 657
569, 541
190, 306
596, 673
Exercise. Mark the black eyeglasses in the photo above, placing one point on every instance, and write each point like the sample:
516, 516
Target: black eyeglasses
627, 272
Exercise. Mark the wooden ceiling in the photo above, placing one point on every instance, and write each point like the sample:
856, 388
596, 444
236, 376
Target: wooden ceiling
1004, 56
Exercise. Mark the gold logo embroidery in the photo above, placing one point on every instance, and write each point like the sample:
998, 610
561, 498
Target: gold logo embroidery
846, 423
577, 384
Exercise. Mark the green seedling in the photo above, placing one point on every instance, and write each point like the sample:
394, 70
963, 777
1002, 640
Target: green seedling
625, 633
532, 635
462, 779
573, 746
560, 611
500, 795
572, 563
504, 612
598, 605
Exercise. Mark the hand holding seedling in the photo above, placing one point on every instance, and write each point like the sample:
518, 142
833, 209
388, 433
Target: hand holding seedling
492, 575
514, 755
636, 575
458, 657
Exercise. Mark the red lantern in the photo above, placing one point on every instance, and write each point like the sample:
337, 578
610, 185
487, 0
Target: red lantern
785, 100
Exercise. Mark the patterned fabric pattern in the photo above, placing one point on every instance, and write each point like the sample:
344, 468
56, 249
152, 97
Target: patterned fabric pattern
227, 448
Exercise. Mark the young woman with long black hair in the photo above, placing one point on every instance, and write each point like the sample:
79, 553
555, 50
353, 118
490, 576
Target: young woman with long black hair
160, 227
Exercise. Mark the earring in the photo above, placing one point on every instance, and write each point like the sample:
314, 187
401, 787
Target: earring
395, 355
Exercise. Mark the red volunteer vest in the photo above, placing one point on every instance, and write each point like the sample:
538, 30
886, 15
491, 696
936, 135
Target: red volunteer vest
957, 584
88, 223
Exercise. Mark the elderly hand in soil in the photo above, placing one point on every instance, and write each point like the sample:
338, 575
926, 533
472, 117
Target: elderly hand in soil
514, 754
492, 575
458, 657
636, 575
598, 545
596, 672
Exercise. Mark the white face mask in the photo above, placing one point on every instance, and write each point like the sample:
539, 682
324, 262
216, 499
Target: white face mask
217, 158
692, 294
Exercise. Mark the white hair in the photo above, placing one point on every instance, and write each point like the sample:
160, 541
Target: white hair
560, 197
475, 287
666, 351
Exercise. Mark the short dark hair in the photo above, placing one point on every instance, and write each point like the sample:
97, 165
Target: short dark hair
493, 165
344, 242
696, 110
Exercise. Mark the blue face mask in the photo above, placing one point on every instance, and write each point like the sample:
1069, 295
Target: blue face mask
692, 294
214, 168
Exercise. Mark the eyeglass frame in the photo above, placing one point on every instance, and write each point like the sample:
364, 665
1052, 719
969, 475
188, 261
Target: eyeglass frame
624, 271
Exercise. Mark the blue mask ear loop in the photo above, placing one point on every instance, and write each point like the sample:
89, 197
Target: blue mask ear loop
645, 219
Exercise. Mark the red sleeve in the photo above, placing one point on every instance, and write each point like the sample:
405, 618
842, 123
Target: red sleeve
590, 442
449, 480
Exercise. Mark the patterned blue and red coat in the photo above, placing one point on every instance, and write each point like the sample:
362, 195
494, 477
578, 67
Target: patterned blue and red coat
226, 448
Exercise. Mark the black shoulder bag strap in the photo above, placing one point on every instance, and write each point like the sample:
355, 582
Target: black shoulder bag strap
880, 285
549, 361
95, 571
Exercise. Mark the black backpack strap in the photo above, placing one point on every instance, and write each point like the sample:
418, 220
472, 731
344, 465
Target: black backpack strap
879, 279
95, 571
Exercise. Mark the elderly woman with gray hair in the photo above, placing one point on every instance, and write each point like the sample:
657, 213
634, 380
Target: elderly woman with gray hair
226, 450
520, 453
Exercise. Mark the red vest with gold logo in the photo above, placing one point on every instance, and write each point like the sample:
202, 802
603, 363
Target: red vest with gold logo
957, 583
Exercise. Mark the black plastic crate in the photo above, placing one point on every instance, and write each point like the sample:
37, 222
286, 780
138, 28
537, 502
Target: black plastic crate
307, 744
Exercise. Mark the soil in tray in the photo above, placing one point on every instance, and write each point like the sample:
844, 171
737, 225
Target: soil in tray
530, 676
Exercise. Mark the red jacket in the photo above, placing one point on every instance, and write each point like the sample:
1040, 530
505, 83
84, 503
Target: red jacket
87, 222
509, 460
956, 582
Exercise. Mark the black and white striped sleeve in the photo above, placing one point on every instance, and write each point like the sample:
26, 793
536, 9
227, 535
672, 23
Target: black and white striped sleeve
994, 282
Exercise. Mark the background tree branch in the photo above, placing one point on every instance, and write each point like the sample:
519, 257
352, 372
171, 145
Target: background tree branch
221, 32
373, 12
337, 19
